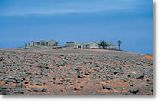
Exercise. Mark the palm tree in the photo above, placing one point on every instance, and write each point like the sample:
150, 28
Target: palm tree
119, 44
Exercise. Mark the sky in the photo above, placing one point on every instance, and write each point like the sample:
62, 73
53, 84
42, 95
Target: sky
130, 21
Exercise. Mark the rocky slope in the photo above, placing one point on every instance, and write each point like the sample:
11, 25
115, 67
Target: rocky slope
74, 72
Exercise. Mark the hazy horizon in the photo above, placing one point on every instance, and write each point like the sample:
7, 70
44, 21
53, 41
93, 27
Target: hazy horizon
130, 21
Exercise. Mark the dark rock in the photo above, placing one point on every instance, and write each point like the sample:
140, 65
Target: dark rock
1, 59
5, 91
141, 76
107, 87
39, 90
76, 89
129, 76
19, 93
133, 90
115, 73
136, 75
44, 90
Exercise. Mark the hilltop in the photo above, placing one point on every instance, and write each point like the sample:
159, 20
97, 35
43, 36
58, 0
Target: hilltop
74, 72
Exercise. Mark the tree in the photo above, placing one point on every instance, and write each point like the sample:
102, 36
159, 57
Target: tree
119, 44
108, 44
104, 44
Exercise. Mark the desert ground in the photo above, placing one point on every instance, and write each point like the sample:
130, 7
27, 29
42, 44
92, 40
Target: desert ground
75, 72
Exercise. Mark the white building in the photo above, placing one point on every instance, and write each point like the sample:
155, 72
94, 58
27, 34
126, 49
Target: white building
41, 43
91, 45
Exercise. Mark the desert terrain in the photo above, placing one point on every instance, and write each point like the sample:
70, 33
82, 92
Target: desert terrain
75, 72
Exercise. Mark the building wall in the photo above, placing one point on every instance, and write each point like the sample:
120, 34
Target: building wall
86, 45
70, 44
93, 46
42, 43
52, 43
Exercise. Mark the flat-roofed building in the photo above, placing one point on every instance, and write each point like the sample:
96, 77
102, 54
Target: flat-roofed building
70, 44
41, 43
90, 45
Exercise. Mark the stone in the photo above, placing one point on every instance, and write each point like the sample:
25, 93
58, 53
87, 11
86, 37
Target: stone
133, 90
107, 87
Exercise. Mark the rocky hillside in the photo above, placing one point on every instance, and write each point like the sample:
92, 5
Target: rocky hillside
74, 72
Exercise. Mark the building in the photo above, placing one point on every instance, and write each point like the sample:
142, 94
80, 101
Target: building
91, 45
79, 45
42, 43
70, 44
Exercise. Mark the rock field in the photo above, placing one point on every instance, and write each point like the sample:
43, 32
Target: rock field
74, 72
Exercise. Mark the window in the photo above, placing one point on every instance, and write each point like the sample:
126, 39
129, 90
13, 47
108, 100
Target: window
79, 46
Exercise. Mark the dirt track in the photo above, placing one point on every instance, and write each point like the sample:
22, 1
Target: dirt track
74, 72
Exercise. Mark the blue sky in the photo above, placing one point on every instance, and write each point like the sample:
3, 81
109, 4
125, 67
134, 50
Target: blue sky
78, 20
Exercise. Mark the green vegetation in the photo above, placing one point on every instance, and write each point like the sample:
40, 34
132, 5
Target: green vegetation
105, 45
